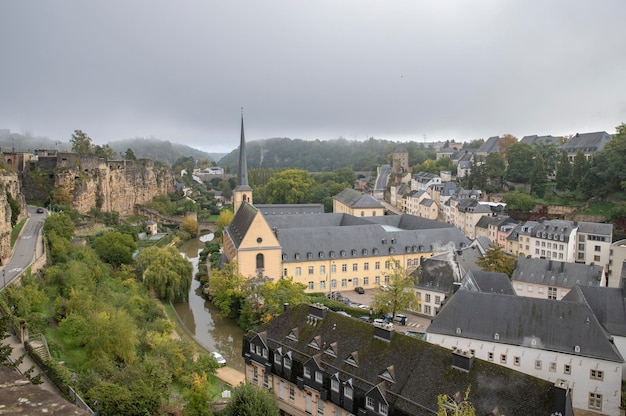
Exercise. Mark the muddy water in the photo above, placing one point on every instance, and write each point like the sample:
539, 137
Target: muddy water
202, 319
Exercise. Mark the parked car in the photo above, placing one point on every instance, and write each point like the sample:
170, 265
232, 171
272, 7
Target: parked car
359, 290
400, 318
365, 318
345, 301
384, 288
219, 358
382, 323
344, 313
334, 295
39, 210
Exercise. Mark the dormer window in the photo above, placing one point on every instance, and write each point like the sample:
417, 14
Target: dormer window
375, 251
364, 252
334, 384
496, 336
347, 390
284, 257
293, 334
352, 359
342, 253
321, 254
354, 252
307, 372
331, 350
315, 342
297, 256
331, 254
309, 255
287, 361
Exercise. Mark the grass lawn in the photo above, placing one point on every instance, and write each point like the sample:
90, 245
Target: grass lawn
16, 231
599, 208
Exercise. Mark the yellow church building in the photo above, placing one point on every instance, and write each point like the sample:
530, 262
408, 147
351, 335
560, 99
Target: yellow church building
327, 252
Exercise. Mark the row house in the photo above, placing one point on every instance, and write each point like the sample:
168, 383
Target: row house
422, 180
617, 259
587, 143
550, 279
559, 341
465, 214
411, 202
317, 362
496, 228
568, 241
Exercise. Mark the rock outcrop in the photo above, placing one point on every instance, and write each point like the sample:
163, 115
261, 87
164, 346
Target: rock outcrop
10, 189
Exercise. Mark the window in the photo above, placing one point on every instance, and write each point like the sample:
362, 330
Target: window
322, 269
333, 268
366, 266
369, 402
333, 284
319, 377
537, 364
387, 264
285, 272
334, 385
437, 300
311, 285
322, 284
490, 356
255, 375
530, 288
427, 297
355, 267
516, 361
567, 369
366, 281
552, 293
552, 367
311, 269
307, 372
596, 374
260, 261
377, 265
277, 359
355, 281
266, 382
581, 247
595, 401
596, 248
298, 271
596, 258
347, 391
427, 309
344, 267
292, 393
377, 280
320, 407
344, 282
503, 358
382, 409
287, 362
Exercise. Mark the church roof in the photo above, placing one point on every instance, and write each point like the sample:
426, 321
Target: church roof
241, 222
290, 209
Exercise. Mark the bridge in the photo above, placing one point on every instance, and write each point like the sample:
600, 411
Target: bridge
154, 215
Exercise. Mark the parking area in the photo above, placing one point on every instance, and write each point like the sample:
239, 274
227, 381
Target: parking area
413, 321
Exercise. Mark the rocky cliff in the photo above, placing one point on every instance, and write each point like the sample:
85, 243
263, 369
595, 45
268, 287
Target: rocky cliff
94, 182
10, 197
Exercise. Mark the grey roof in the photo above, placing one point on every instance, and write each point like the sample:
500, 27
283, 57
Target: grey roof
545, 324
357, 199
534, 140
490, 282
490, 145
424, 177
556, 273
405, 359
290, 209
483, 243
400, 148
472, 205
453, 263
607, 303
587, 142
445, 189
427, 202
595, 228
241, 222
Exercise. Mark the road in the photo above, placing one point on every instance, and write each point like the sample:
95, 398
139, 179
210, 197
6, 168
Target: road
25, 248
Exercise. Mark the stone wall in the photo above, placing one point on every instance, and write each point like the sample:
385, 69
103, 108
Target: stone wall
92, 182
9, 183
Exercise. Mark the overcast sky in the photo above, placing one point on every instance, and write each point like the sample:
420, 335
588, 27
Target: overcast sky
390, 69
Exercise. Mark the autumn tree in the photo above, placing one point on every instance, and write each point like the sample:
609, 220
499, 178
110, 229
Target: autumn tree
399, 297
496, 260
81, 143
225, 218
190, 225
504, 144
456, 405
275, 295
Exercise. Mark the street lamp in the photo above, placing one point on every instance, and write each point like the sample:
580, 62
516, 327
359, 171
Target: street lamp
4, 276
74, 379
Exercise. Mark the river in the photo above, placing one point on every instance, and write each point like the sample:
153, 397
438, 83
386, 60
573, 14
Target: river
202, 319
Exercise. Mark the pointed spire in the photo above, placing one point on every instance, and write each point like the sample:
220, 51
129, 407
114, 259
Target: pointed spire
242, 176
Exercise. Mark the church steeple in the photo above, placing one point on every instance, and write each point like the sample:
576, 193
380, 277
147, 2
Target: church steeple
243, 192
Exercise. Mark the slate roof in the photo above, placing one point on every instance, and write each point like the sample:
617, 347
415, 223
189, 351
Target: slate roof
241, 222
290, 209
420, 371
607, 303
587, 142
357, 199
489, 282
424, 177
472, 205
534, 140
595, 228
427, 202
490, 145
438, 270
556, 273
552, 325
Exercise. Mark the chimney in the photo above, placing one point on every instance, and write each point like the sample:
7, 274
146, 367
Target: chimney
562, 400
285, 306
562, 266
549, 265
317, 310
383, 333
462, 360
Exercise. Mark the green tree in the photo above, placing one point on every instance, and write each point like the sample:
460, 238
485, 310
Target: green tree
59, 224
105, 151
130, 155
198, 397
115, 248
15, 208
227, 290
291, 186
81, 143
275, 295
495, 166
249, 400
166, 273
580, 168
519, 157
538, 178
5, 349
518, 201
190, 225
564, 173
399, 297
615, 151
496, 260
